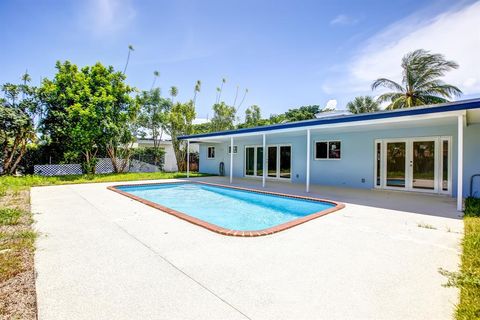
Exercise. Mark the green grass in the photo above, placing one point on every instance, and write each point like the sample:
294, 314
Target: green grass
15, 184
10, 216
468, 278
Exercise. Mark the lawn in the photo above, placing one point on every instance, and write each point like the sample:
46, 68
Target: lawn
469, 277
17, 237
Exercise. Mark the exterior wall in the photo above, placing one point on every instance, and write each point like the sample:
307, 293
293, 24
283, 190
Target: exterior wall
358, 155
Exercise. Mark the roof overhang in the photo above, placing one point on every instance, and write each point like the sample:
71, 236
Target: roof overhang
469, 108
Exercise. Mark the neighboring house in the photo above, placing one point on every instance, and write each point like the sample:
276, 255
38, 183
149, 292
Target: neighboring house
433, 149
170, 164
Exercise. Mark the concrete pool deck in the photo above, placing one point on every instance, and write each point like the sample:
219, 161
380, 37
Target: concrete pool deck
104, 256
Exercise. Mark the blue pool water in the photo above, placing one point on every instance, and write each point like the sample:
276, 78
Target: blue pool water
226, 207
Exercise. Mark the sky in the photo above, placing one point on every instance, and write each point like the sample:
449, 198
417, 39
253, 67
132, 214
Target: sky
287, 53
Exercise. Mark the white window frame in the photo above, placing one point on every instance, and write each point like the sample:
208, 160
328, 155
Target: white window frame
265, 155
235, 149
208, 152
328, 149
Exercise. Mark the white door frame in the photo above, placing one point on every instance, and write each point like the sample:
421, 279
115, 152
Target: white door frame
265, 155
438, 163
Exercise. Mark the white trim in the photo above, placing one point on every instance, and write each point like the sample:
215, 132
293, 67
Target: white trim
460, 123
231, 160
307, 177
385, 121
409, 161
188, 158
328, 150
265, 162
208, 153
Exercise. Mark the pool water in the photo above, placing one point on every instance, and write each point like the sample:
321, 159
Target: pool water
226, 207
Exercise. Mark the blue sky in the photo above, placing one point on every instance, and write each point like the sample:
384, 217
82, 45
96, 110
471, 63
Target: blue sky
287, 53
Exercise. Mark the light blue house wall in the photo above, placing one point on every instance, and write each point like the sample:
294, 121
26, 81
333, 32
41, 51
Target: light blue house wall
356, 167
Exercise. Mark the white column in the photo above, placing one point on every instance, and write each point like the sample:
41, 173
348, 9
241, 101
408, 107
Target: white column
460, 163
231, 159
188, 158
307, 178
264, 172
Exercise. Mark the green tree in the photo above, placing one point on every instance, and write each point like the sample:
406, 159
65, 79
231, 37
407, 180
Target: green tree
302, 113
86, 110
223, 117
153, 116
363, 104
421, 82
17, 129
156, 74
253, 116
178, 123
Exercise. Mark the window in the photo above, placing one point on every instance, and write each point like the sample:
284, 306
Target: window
210, 152
328, 150
235, 149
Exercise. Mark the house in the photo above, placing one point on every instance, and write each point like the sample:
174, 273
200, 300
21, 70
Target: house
170, 164
432, 149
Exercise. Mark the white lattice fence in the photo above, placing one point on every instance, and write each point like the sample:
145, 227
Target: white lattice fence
104, 165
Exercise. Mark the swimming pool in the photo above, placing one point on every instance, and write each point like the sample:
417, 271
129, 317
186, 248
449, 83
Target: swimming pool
229, 210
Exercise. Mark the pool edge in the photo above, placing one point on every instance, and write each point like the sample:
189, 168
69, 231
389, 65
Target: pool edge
231, 232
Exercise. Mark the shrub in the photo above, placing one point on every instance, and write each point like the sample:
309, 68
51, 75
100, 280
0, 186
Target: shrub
472, 207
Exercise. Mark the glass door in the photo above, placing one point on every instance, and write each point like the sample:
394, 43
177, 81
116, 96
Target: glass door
285, 161
250, 161
259, 161
272, 161
414, 164
423, 165
396, 164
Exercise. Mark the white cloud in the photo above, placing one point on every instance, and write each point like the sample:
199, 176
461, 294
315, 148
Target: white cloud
455, 34
106, 16
343, 20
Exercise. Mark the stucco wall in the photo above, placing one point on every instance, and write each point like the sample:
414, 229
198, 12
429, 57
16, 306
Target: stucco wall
357, 160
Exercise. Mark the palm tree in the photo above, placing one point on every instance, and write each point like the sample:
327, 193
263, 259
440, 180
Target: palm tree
363, 104
156, 74
173, 92
196, 90
130, 49
220, 89
421, 82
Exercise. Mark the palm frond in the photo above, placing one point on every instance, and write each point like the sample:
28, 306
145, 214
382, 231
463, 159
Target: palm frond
387, 83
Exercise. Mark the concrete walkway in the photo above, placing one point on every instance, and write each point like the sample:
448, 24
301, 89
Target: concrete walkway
104, 256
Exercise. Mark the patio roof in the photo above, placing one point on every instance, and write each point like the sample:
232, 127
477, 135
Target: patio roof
347, 120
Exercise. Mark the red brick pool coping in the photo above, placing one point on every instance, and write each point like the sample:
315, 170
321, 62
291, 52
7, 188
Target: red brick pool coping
229, 232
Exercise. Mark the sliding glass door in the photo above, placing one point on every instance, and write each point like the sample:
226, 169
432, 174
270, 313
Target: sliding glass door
414, 164
279, 161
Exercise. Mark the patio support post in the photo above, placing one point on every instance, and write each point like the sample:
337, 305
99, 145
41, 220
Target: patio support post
307, 178
188, 158
460, 163
231, 159
264, 171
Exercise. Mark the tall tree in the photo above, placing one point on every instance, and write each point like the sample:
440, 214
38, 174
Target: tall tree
421, 84
223, 117
153, 116
130, 49
156, 74
17, 127
196, 90
253, 116
363, 104
178, 123
173, 93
